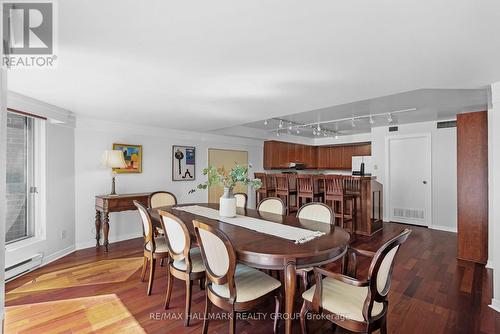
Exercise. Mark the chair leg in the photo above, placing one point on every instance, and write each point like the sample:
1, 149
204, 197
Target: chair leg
152, 265
303, 313
202, 284
144, 268
383, 326
276, 313
305, 281
232, 323
161, 262
189, 287
206, 319
170, 284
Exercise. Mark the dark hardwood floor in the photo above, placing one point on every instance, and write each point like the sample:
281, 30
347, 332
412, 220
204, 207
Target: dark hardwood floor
432, 292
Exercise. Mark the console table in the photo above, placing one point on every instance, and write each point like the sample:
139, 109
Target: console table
104, 204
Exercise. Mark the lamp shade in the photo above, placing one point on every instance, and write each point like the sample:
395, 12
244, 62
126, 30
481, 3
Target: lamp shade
113, 159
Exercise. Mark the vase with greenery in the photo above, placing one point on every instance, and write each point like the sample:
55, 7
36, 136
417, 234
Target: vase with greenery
219, 176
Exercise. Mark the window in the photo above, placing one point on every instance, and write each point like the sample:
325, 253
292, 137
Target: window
21, 186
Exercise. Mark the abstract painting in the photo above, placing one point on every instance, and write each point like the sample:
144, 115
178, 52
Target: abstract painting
183, 163
133, 158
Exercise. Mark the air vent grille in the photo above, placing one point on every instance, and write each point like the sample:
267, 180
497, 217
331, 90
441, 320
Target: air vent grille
446, 124
409, 213
393, 128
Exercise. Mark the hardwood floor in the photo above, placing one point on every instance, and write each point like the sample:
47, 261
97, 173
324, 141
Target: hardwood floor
90, 291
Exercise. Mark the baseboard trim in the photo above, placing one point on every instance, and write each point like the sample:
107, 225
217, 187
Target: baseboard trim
91, 243
57, 255
489, 264
443, 228
495, 304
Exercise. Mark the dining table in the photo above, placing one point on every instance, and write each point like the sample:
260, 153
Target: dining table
265, 251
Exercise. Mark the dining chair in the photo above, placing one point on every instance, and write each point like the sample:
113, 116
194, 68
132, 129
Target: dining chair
354, 304
267, 188
154, 247
308, 189
230, 286
185, 263
241, 200
272, 205
161, 198
343, 203
318, 212
286, 188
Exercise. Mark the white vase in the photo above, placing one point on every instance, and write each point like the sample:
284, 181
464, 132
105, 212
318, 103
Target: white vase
227, 204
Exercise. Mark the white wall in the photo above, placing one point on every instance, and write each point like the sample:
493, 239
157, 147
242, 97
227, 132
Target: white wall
494, 192
93, 137
444, 169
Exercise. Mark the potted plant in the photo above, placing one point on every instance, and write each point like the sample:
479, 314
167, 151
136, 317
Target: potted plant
229, 180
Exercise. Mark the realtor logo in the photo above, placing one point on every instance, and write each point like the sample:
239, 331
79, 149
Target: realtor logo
28, 34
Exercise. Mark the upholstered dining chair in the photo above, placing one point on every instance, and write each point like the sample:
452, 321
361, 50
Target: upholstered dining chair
241, 200
161, 198
318, 212
272, 205
230, 286
154, 247
354, 304
185, 263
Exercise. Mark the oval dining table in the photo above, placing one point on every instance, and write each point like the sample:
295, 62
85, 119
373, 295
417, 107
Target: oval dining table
264, 251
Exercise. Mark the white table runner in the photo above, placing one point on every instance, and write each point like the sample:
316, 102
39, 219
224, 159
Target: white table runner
296, 234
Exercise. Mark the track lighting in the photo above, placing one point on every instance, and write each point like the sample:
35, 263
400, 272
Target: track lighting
353, 124
389, 117
371, 120
336, 136
298, 131
265, 122
281, 124
318, 128
277, 133
314, 132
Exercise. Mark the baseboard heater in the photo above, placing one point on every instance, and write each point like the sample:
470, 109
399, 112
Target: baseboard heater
23, 267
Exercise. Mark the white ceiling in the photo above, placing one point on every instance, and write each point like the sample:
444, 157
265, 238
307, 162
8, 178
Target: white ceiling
204, 65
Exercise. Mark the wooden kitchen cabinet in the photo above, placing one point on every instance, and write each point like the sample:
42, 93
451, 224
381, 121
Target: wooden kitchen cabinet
278, 155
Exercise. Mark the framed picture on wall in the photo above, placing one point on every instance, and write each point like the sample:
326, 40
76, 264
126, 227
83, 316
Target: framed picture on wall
133, 158
183, 163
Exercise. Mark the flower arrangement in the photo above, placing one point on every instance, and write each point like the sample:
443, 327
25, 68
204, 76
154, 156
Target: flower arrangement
228, 179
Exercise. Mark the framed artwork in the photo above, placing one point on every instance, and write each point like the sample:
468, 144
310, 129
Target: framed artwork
183, 163
133, 158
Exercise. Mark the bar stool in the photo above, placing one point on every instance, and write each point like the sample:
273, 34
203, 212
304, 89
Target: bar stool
308, 188
268, 186
352, 186
335, 192
285, 187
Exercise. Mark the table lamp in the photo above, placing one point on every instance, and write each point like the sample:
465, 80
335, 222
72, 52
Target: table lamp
113, 159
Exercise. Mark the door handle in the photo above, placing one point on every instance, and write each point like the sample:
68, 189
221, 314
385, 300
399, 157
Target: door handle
424, 182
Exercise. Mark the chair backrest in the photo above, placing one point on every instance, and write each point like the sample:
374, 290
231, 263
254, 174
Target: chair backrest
380, 272
272, 205
218, 255
317, 212
352, 184
305, 184
334, 185
161, 198
177, 235
270, 181
147, 224
241, 200
282, 183
263, 178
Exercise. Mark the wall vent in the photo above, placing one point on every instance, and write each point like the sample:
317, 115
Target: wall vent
446, 124
393, 128
409, 213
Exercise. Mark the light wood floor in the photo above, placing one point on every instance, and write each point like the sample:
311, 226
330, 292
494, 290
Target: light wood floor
90, 291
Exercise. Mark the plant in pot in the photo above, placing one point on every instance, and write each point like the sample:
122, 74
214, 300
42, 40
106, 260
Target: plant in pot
238, 174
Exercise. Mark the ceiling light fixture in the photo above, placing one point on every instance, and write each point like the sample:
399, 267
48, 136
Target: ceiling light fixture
372, 121
281, 124
318, 128
265, 122
353, 124
277, 133
336, 136
389, 117
314, 132
298, 131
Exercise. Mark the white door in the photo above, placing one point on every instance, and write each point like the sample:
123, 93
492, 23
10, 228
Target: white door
409, 176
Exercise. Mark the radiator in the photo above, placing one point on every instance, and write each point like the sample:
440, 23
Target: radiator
23, 267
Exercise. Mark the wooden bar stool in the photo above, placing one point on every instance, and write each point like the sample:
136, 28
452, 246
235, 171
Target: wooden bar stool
285, 189
268, 186
308, 189
352, 186
343, 204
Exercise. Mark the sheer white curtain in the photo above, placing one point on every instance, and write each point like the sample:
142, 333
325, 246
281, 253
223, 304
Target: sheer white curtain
3, 136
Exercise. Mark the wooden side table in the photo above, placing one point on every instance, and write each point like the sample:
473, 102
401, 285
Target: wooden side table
104, 204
